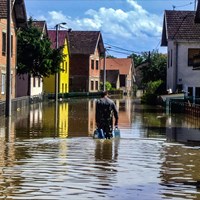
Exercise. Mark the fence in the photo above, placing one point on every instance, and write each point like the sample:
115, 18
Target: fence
183, 106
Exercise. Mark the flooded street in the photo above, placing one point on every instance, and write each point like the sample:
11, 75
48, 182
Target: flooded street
157, 156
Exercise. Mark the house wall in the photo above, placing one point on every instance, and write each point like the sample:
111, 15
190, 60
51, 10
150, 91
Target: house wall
22, 85
3, 28
94, 74
129, 81
178, 71
63, 80
49, 84
36, 86
79, 73
64, 75
171, 67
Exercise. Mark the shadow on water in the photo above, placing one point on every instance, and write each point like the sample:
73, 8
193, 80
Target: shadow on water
157, 156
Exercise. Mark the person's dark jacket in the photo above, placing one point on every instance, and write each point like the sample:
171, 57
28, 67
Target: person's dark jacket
105, 109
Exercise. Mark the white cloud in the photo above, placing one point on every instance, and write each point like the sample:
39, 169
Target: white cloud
135, 25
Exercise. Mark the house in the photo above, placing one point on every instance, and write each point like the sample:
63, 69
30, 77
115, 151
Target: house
63, 75
18, 19
181, 36
86, 48
27, 85
125, 66
112, 76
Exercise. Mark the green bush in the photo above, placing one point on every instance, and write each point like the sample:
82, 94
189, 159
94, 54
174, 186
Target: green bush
150, 96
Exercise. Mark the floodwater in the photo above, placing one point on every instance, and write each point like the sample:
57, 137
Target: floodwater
157, 156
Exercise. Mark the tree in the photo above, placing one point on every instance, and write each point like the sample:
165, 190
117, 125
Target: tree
34, 53
156, 67
138, 59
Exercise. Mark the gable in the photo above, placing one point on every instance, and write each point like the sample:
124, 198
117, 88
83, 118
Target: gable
180, 25
19, 11
85, 42
124, 65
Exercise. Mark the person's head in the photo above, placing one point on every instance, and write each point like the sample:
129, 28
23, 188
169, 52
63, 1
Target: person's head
104, 93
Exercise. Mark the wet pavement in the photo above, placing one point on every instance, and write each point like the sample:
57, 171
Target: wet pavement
157, 156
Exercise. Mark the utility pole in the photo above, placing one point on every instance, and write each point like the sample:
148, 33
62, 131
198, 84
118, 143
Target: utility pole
8, 62
104, 71
56, 81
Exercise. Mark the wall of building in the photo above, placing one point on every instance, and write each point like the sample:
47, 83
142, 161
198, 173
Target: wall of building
181, 73
79, 73
3, 28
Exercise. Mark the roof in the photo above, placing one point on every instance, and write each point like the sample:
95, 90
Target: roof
61, 37
124, 65
85, 42
111, 75
19, 11
41, 25
179, 25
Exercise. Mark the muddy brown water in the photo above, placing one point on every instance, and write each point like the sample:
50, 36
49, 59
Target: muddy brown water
157, 156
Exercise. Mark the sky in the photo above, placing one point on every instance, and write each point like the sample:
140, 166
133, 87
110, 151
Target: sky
127, 26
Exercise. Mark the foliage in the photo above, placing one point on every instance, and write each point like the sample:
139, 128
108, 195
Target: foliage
154, 66
150, 96
152, 86
34, 54
108, 86
138, 59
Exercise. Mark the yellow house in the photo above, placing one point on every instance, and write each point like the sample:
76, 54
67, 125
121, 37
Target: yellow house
63, 75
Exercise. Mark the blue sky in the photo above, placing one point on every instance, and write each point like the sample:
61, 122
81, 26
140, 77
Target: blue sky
126, 25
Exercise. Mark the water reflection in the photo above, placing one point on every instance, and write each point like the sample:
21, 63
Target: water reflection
153, 159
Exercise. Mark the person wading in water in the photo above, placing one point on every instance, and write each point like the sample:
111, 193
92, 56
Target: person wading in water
105, 109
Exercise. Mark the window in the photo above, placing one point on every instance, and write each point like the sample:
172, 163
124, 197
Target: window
39, 81
92, 65
191, 54
171, 58
92, 85
65, 67
97, 64
3, 43
190, 91
34, 82
197, 92
62, 87
3, 81
11, 45
96, 85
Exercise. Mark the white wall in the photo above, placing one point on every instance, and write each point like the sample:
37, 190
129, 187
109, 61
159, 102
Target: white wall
36, 90
185, 74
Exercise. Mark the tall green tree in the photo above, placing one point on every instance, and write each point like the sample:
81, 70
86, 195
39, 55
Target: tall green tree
138, 59
156, 67
34, 53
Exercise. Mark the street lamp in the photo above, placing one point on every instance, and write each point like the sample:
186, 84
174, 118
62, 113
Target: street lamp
56, 75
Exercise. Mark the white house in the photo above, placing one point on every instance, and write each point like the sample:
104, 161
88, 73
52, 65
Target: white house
181, 36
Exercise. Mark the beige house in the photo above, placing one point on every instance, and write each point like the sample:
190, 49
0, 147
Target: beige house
125, 67
18, 19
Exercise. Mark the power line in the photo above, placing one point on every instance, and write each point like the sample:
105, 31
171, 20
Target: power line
128, 50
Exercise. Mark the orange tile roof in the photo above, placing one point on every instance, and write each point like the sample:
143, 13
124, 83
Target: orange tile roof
122, 64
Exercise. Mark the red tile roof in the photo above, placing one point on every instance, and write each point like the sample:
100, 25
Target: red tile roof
124, 65
61, 37
41, 25
180, 25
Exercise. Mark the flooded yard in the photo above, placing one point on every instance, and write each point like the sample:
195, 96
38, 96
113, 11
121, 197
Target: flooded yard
157, 156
